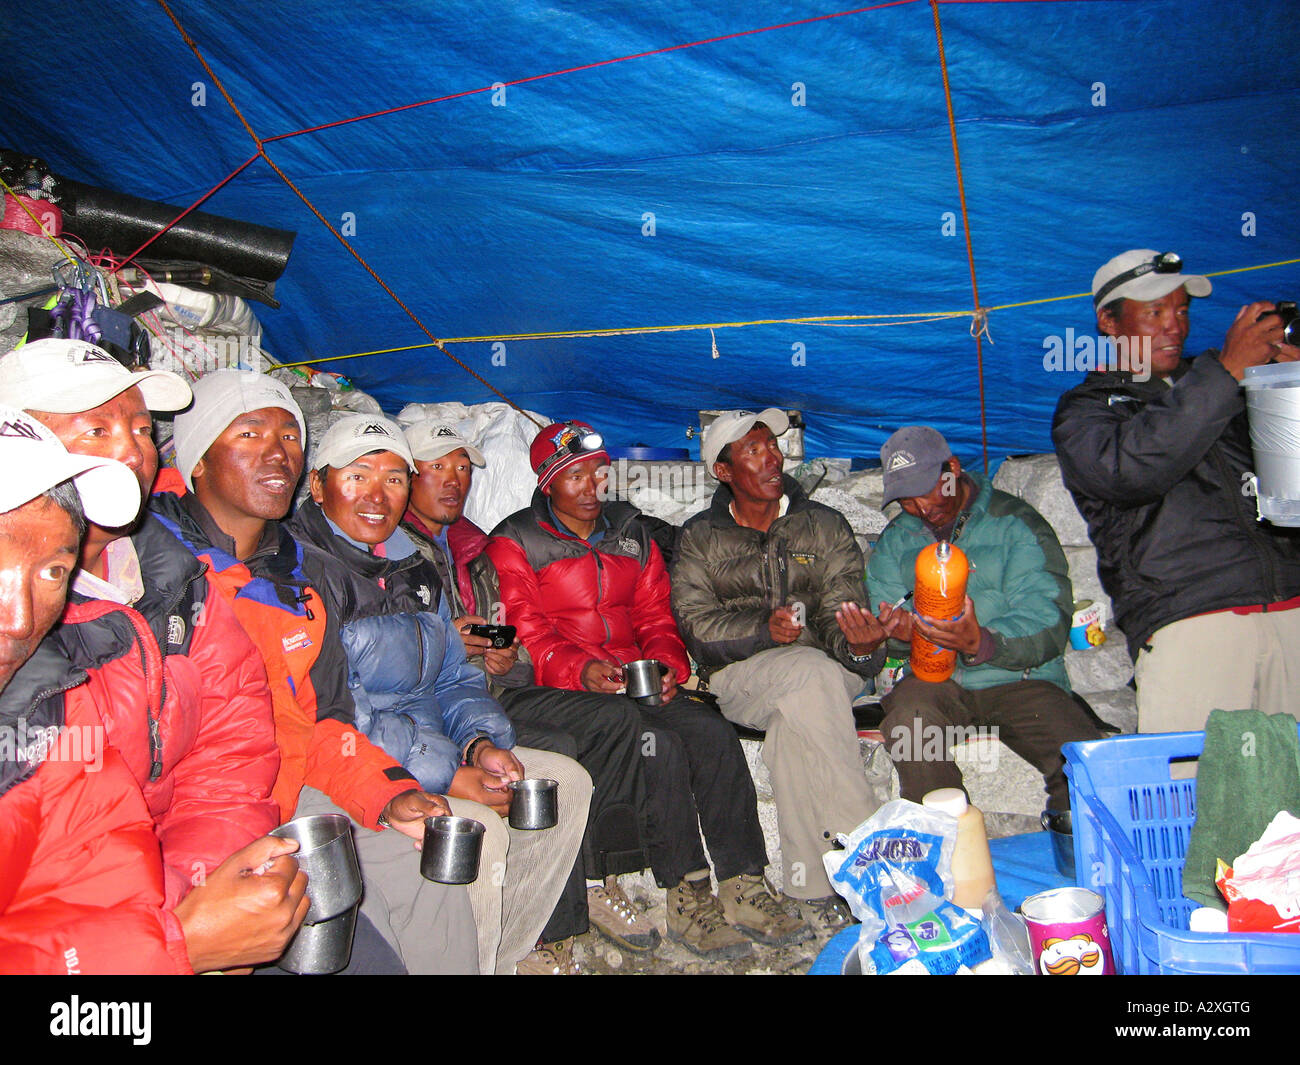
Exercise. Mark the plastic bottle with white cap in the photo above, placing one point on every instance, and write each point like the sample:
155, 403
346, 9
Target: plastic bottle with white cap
972, 865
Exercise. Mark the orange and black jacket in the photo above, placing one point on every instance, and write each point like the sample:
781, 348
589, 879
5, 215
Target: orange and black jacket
299, 641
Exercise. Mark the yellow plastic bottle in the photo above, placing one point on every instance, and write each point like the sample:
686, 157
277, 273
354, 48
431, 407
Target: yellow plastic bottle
972, 865
939, 594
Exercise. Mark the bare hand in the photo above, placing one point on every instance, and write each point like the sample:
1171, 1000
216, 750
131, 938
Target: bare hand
478, 785
474, 645
1254, 342
501, 660
406, 812
247, 910
896, 622
499, 761
860, 628
668, 689
961, 634
605, 677
782, 625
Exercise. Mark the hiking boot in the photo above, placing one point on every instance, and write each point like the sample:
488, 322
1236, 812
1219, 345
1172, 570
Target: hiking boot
696, 921
550, 959
751, 906
825, 916
614, 916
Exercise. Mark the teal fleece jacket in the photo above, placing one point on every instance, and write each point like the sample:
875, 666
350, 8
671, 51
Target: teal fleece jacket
1020, 585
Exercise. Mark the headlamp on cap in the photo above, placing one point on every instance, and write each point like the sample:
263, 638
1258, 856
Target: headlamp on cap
574, 439
1168, 262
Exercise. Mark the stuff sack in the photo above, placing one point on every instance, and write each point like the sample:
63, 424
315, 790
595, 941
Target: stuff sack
896, 874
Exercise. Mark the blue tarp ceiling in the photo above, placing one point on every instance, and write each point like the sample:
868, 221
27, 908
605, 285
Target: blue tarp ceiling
802, 171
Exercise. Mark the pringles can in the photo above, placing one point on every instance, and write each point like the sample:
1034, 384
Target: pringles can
1067, 933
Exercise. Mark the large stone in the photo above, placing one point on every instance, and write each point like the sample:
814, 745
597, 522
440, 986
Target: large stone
1037, 480
1117, 707
1100, 669
1083, 577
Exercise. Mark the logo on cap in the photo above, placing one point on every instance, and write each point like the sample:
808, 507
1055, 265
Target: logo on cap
900, 460
19, 429
89, 354
445, 430
374, 429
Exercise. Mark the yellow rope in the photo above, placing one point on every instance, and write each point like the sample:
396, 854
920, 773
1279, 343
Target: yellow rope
832, 320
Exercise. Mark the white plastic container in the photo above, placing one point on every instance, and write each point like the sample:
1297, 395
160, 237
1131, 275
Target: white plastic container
1273, 408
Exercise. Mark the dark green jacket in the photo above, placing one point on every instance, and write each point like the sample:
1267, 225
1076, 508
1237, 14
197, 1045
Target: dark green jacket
1020, 585
728, 579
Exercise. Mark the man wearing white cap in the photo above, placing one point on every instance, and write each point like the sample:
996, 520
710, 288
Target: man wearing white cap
240, 450
1158, 458
82, 881
207, 763
768, 594
416, 695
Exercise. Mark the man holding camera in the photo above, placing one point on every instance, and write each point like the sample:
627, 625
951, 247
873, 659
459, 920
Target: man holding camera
1158, 458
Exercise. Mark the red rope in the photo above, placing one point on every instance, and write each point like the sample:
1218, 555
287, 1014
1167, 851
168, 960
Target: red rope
593, 66
234, 173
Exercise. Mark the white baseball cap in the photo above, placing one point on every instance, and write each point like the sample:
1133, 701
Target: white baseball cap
729, 427
220, 398
35, 460
432, 440
70, 376
359, 434
1144, 275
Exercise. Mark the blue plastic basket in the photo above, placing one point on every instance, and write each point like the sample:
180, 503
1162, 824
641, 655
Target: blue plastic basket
1132, 823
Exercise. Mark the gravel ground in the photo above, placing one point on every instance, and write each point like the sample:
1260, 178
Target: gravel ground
599, 956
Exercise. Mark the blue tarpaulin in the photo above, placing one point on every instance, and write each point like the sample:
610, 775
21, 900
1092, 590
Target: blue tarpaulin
610, 165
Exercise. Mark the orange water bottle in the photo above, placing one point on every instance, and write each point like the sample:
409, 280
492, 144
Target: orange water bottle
940, 594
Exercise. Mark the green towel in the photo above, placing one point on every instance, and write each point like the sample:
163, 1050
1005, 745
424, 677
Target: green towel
1250, 770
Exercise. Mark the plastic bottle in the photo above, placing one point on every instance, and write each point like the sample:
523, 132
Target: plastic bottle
940, 594
972, 865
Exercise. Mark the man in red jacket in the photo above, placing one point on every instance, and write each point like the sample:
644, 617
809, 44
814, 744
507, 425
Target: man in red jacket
207, 763
240, 449
586, 587
81, 884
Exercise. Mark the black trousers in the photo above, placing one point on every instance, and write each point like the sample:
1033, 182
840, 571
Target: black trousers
1032, 717
676, 769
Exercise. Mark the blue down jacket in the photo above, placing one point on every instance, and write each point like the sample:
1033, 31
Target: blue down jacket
416, 695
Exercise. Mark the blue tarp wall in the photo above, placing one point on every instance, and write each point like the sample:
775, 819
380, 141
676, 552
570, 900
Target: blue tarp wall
802, 171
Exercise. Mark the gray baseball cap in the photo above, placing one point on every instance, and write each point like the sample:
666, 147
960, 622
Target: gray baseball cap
912, 459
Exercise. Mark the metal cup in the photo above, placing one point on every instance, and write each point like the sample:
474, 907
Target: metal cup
1060, 825
534, 803
323, 948
645, 679
328, 856
451, 849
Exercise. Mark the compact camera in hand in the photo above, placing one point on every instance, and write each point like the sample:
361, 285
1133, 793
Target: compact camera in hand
500, 635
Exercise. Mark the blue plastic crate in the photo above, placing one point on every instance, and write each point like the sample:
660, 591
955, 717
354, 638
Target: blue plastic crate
1132, 823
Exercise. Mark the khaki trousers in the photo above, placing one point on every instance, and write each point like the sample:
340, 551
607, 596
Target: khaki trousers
1220, 661
521, 874
803, 700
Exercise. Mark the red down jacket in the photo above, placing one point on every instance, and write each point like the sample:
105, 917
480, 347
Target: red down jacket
574, 601
81, 883
208, 761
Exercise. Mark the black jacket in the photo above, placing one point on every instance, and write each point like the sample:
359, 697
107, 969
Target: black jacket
1161, 476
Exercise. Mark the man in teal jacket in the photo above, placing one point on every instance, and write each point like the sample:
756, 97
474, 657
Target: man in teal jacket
1010, 676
